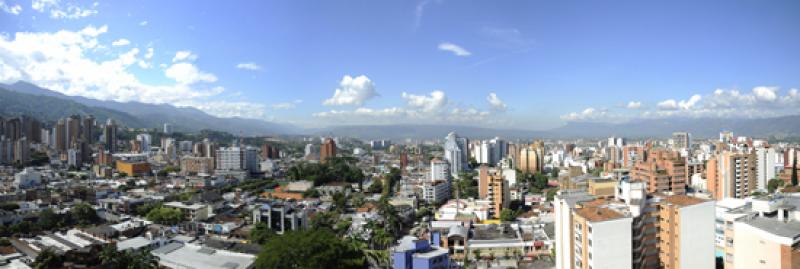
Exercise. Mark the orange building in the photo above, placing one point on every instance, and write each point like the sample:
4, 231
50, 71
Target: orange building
663, 171
327, 150
133, 169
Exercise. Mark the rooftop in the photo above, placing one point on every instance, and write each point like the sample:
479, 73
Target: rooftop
683, 200
177, 255
789, 229
598, 213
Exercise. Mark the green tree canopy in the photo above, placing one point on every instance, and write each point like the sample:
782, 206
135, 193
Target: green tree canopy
309, 249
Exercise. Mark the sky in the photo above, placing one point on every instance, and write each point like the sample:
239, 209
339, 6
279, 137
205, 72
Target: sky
503, 64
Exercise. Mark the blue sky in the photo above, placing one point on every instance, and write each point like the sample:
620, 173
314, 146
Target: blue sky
521, 64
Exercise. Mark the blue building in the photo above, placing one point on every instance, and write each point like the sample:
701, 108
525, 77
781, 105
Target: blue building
413, 253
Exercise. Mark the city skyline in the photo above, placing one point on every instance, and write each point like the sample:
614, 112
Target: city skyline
514, 64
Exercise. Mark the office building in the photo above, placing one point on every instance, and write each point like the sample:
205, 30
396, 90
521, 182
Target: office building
145, 141
440, 170
327, 150
456, 153
681, 140
167, 128
110, 135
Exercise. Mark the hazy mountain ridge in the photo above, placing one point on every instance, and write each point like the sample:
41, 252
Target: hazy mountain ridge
155, 115
27, 99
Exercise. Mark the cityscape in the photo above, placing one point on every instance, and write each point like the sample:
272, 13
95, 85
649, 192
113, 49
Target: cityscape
424, 134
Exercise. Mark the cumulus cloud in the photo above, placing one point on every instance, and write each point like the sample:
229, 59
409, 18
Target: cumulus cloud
671, 104
455, 49
120, 42
10, 9
248, 66
186, 73
67, 62
352, 91
587, 114
634, 105
437, 100
57, 10
495, 102
184, 55
761, 101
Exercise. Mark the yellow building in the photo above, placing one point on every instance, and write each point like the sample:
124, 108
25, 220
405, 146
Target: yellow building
133, 169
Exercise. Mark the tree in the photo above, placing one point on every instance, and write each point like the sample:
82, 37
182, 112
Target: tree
309, 249
83, 214
261, 233
774, 184
164, 215
507, 215
551, 193
139, 259
9, 206
49, 220
376, 186
794, 172
48, 258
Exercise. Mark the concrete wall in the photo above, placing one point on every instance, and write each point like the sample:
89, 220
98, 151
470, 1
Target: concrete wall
697, 236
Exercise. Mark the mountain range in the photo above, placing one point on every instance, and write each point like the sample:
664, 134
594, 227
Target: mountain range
23, 98
139, 115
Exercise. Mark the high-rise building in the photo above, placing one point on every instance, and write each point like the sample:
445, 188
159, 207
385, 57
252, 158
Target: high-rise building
73, 125
237, 158
440, 170
663, 171
110, 135
681, 140
732, 175
633, 230
492, 187
327, 150
6, 150
456, 153
61, 136
167, 128
632, 154
530, 160
22, 151
13, 128
766, 158
88, 130
145, 141
269, 152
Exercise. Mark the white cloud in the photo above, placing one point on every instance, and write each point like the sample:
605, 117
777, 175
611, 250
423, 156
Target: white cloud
765, 93
634, 105
186, 73
352, 91
496, 103
248, 66
121, 42
761, 101
10, 9
671, 104
66, 62
184, 55
66, 11
455, 49
286, 105
506, 38
419, 11
587, 114
436, 101
143, 23
149, 54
